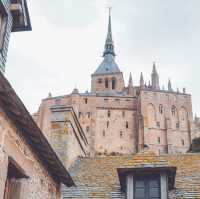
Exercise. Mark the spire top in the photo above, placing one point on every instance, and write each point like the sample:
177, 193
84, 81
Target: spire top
154, 68
109, 45
130, 83
170, 85
141, 80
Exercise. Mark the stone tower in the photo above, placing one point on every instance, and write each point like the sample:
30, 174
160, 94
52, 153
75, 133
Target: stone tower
108, 77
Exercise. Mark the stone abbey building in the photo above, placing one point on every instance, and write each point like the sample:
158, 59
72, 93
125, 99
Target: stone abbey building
122, 119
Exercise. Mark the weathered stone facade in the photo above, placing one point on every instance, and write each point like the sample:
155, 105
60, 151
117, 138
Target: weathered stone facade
39, 183
119, 119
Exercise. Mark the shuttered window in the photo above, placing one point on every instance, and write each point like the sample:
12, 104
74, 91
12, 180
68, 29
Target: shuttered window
147, 187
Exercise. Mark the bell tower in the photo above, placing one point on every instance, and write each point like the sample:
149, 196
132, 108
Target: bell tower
108, 77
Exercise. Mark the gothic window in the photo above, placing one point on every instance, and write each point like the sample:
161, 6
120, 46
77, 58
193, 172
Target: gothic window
109, 113
85, 100
113, 83
106, 83
126, 124
173, 110
161, 109
182, 142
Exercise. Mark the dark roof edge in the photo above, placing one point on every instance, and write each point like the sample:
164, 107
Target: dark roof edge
18, 114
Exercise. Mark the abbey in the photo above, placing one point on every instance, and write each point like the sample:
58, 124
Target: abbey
120, 119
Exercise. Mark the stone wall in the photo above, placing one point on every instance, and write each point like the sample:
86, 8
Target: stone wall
167, 121
39, 183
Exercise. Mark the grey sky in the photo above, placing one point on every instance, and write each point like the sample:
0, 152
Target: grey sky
68, 36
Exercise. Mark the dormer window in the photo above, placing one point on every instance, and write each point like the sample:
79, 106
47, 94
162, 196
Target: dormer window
147, 182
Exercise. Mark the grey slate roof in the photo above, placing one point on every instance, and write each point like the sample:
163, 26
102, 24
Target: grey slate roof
108, 66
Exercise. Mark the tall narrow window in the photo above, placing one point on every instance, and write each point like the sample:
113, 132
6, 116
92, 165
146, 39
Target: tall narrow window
87, 128
123, 113
107, 124
173, 110
113, 83
182, 142
158, 140
106, 83
79, 115
126, 124
161, 109
108, 113
86, 100
104, 133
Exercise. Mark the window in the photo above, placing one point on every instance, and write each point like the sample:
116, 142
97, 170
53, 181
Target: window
107, 124
126, 124
161, 109
79, 115
182, 142
99, 81
86, 100
3, 22
113, 83
109, 113
173, 110
121, 134
123, 113
89, 114
158, 139
87, 128
104, 133
106, 83
158, 124
147, 187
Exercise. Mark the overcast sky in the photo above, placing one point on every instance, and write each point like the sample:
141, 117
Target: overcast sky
66, 45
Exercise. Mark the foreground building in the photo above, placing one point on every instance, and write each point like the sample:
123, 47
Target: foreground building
29, 167
120, 119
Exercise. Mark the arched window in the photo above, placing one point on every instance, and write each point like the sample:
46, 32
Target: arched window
126, 124
161, 109
113, 83
106, 83
173, 110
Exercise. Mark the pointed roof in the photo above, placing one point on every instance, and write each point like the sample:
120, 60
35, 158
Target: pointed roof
169, 85
154, 71
108, 65
141, 79
109, 45
130, 82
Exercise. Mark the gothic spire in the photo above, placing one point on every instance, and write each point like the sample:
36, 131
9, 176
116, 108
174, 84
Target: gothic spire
109, 45
155, 78
169, 86
141, 81
130, 82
